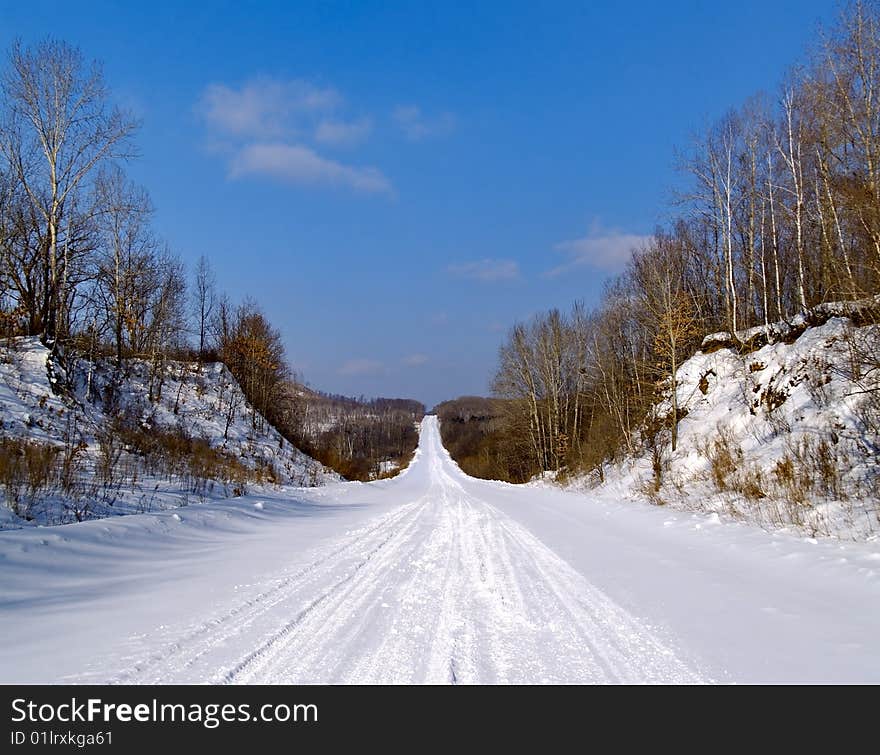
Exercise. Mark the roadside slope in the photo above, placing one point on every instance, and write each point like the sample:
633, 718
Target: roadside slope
91, 414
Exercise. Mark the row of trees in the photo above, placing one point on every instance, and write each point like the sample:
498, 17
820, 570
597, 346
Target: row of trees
782, 214
476, 432
360, 438
784, 211
71, 227
80, 264
79, 260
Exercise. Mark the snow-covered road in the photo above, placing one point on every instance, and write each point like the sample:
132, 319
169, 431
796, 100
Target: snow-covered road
433, 577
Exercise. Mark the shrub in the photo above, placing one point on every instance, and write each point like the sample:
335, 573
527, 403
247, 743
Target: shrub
175, 453
724, 459
28, 471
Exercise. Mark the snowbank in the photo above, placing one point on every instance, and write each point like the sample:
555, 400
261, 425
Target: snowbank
786, 434
40, 402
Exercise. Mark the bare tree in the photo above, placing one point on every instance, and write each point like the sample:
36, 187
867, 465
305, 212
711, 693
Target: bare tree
790, 146
204, 300
164, 324
58, 127
713, 167
127, 253
254, 353
669, 310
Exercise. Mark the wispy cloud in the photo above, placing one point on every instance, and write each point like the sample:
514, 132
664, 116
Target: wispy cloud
274, 128
604, 250
416, 126
486, 270
264, 108
415, 360
300, 165
362, 367
338, 133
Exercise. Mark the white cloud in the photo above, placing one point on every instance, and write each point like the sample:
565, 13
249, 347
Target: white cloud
486, 270
270, 128
362, 367
296, 164
606, 251
416, 126
264, 108
415, 360
343, 133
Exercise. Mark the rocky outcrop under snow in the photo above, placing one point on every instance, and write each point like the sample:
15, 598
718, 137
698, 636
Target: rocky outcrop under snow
785, 433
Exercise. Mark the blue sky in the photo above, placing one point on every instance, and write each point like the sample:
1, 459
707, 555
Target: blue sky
397, 183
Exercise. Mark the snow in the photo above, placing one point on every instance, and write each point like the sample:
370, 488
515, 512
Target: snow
195, 398
433, 576
789, 329
781, 401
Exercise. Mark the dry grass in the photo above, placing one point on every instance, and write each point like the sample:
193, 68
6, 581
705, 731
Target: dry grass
811, 470
725, 458
32, 474
178, 454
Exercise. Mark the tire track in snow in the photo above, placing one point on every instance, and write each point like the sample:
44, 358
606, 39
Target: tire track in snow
303, 648
183, 653
446, 589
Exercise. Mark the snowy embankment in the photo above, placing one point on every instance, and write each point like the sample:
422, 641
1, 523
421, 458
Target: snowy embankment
78, 415
779, 427
433, 576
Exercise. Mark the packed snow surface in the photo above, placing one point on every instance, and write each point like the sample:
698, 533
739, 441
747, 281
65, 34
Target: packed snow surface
436, 577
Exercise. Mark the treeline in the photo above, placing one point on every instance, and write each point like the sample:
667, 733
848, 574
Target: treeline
475, 433
82, 267
80, 264
361, 439
77, 253
782, 213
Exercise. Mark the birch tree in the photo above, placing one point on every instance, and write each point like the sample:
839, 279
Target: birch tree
58, 127
790, 146
204, 300
125, 266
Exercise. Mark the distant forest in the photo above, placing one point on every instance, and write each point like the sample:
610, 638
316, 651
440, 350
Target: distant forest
362, 439
474, 431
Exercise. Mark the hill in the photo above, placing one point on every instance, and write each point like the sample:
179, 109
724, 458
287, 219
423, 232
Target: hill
780, 425
84, 439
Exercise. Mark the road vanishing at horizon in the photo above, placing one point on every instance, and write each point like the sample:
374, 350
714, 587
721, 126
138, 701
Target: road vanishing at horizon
433, 577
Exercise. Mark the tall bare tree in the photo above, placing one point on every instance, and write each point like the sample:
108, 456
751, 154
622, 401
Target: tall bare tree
58, 127
204, 300
127, 255
669, 312
790, 142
